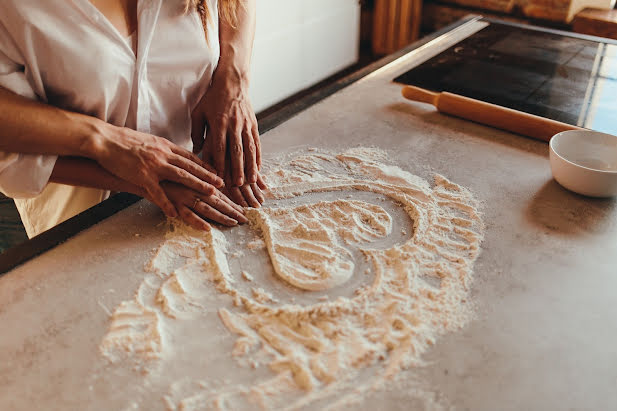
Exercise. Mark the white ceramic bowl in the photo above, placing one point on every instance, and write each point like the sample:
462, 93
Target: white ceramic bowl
585, 162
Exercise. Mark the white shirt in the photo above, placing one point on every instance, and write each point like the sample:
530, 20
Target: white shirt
67, 53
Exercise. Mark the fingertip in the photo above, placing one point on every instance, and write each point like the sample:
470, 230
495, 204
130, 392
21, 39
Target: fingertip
209, 190
168, 209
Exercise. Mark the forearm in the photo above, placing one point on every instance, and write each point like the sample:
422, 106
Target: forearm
31, 127
82, 172
237, 43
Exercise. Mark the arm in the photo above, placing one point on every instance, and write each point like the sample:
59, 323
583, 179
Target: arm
143, 160
217, 207
237, 43
232, 126
83, 172
31, 127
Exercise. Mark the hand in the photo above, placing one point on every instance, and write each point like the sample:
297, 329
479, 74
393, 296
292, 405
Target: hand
195, 208
247, 195
232, 128
145, 160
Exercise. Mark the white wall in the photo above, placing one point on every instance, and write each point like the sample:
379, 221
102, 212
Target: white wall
299, 43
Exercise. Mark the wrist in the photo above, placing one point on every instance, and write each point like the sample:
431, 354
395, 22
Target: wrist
94, 134
232, 74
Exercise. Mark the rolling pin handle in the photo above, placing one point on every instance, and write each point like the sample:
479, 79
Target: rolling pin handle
419, 94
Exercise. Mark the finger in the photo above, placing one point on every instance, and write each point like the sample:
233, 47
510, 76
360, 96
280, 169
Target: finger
192, 219
198, 127
257, 193
236, 155
181, 176
249, 197
211, 169
227, 176
261, 182
212, 177
209, 212
225, 208
158, 196
197, 170
230, 202
257, 142
219, 147
236, 195
225, 196
250, 162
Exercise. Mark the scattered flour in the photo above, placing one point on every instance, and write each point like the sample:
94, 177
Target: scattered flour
256, 244
335, 348
247, 276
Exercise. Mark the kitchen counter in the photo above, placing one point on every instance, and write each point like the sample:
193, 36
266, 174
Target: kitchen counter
544, 284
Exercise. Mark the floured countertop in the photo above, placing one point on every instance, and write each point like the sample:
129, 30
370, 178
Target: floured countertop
543, 332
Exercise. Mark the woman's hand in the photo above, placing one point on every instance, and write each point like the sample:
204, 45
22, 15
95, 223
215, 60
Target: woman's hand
145, 160
195, 208
232, 132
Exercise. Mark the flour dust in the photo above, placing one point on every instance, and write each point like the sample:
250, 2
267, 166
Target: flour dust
354, 269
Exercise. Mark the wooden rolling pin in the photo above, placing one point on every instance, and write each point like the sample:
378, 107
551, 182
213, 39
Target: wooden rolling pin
489, 114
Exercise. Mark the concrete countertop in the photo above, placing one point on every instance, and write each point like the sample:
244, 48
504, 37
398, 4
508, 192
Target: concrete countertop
544, 284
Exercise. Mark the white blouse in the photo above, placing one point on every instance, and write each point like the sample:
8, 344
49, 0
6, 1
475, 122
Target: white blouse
66, 53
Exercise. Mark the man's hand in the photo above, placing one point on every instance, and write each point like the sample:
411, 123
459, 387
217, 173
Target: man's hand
247, 195
232, 141
145, 160
232, 132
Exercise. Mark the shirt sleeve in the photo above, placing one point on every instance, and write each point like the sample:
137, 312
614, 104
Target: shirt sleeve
21, 175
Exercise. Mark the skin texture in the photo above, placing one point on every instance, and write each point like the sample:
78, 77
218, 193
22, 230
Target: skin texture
232, 143
95, 154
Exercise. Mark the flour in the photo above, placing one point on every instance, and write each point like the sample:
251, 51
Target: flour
307, 243
337, 343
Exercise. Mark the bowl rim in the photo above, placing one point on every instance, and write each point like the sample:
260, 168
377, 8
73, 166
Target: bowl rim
552, 149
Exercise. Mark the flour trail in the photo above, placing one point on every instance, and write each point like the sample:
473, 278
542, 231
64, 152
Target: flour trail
420, 270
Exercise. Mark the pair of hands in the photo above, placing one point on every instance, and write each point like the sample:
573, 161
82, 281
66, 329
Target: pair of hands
179, 182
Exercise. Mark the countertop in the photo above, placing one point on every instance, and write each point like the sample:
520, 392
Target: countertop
544, 284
